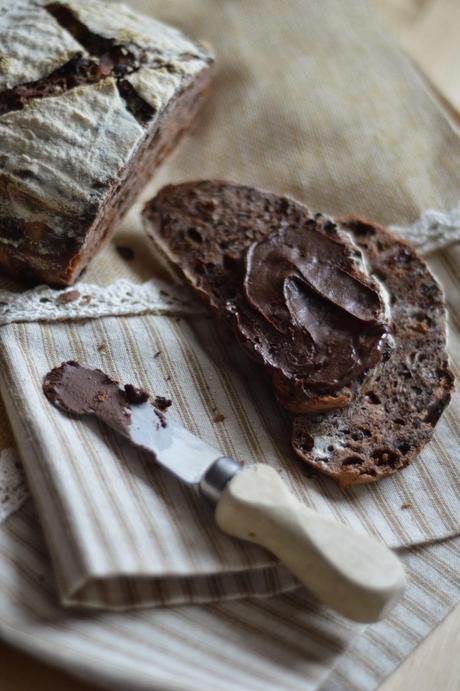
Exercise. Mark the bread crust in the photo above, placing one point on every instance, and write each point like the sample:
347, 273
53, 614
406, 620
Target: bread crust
102, 119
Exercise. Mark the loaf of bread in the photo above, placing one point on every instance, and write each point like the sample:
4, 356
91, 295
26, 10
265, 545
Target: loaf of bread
347, 320
93, 96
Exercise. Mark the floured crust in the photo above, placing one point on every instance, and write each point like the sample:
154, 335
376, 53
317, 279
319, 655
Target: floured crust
32, 44
123, 24
64, 187
60, 173
386, 427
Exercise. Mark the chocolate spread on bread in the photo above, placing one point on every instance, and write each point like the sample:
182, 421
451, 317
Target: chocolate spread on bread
328, 319
292, 286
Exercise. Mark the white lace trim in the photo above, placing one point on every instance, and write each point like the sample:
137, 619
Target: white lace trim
13, 486
90, 301
433, 231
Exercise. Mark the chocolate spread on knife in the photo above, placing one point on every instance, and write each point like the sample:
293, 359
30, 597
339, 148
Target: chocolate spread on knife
82, 391
325, 315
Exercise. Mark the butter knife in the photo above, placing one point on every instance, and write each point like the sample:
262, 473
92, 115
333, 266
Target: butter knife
354, 574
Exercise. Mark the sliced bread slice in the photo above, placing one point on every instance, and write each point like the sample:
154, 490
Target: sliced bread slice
292, 286
379, 420
394, 417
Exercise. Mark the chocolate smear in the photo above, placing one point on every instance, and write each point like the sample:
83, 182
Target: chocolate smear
314, 302
79, 390
162, 403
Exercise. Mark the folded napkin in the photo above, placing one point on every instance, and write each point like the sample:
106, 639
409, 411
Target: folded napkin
333, 114
284, 642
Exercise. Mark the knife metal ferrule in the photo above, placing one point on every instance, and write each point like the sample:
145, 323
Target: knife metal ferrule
215, 479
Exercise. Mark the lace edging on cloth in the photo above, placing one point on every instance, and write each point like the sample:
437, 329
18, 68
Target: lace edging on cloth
90, 301
433, 231
13, 486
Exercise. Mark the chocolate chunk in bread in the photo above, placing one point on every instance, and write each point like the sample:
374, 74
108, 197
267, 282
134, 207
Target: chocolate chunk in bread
93, 96
207, 231
386, 427
292, 287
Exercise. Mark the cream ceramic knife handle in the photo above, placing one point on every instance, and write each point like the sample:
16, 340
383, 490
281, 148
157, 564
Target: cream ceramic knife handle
356, 575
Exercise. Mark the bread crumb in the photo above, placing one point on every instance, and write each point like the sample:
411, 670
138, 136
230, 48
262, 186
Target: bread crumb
69, 296
219, 417
86, 299
162, 403
407, 505
125, 252
102, 347
135, 395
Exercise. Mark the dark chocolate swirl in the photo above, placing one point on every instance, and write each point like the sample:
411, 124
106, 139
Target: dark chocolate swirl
326, 315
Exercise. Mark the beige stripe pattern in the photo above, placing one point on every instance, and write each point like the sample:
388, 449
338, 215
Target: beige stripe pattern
284, 642
333, 114
434, 587
123, 533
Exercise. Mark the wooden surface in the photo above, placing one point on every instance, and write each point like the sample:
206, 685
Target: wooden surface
429, 30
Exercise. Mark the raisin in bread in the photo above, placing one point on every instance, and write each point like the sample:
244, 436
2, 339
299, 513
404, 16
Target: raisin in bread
93, 96
207, 231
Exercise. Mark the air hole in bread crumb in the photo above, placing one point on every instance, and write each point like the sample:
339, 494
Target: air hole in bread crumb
194, 235
385, 457
404, 447
352, 460
306, 442
372, 397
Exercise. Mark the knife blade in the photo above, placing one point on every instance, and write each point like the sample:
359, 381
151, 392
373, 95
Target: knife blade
353, 573
174, 447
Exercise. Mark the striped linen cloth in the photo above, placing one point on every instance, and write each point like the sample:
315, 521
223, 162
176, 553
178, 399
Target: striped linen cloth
333, 114
121, 531
285, 642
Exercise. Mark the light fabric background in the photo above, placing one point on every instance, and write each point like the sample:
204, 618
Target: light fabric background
284, 642
343, 122
120, 530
